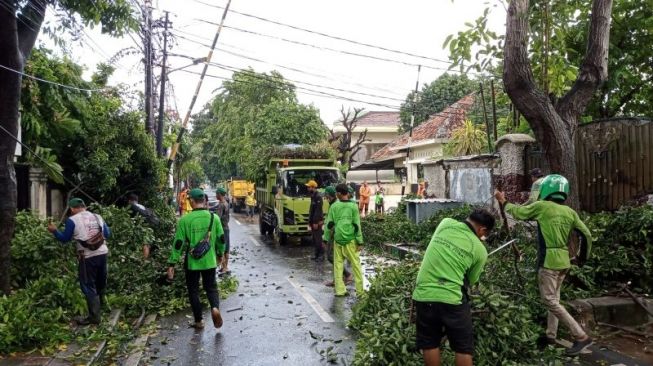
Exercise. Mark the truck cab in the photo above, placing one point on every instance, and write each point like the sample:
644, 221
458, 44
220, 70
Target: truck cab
285, 200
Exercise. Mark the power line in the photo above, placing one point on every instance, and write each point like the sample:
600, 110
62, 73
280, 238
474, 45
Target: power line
52, 82
329, 35
284, 67
321, 93
323, 48
232, 68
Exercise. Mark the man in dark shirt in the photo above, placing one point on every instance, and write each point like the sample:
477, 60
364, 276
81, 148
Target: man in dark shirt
316, 219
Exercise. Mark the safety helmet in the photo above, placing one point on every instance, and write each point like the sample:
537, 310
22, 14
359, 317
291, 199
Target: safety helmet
330, 191
554, 186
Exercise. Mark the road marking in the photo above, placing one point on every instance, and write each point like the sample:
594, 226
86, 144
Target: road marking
255, 241
238, 222
311, 301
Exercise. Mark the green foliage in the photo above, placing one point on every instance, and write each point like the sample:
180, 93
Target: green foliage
396, 228
254, 112
435, 97
88, 135
256, 171
622, 251
508, 318
558, 32
468, 139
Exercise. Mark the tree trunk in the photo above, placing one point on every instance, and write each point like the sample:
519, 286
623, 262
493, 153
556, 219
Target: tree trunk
555, 126
17, 37
9, 102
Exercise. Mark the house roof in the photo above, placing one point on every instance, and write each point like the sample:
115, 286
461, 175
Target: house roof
438, 126
377, 119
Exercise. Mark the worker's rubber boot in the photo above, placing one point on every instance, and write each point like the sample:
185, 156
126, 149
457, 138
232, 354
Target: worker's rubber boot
94, 309
104, 305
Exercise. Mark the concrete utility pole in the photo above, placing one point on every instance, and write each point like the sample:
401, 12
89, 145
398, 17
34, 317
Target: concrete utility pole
147, 37
164, 76
412, 125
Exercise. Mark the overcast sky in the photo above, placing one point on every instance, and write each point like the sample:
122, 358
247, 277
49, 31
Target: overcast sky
414, 26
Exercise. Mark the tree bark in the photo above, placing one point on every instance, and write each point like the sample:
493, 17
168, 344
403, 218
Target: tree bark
555, 126
17, 39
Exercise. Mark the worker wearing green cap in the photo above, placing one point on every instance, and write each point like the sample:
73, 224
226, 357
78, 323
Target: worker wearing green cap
86, 227
222, 209
200, 239
330, 195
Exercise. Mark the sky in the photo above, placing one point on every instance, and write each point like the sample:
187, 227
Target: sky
413, 26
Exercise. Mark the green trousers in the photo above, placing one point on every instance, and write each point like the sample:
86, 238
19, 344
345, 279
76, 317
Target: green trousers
350, 252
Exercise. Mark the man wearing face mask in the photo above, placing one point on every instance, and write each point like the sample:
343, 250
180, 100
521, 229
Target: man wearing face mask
454, 260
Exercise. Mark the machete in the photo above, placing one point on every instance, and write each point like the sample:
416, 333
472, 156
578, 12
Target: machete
502, 246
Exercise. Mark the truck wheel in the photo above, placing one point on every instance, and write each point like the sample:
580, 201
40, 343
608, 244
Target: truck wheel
283, 239
264, 228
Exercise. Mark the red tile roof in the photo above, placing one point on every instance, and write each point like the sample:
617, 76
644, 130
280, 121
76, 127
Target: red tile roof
438, 126
378, 119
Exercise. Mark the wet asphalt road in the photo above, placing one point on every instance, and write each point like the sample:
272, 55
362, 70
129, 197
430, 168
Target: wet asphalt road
288, 316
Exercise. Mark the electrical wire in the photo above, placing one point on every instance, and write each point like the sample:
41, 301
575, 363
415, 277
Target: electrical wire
328, 35
321, 93
236, 54
233, 68
53, 82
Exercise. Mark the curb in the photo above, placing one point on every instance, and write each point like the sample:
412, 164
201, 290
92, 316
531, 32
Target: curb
134, 357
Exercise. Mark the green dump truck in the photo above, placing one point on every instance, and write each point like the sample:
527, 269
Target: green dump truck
283, 197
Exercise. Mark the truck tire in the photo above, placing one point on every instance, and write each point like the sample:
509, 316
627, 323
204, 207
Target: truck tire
264, 228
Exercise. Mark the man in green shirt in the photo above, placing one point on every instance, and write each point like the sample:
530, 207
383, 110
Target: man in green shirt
343, 224
194, 230
555, 224
330, 195
454, 260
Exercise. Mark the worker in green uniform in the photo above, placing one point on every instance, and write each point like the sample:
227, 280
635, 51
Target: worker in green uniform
330, 195
453, 261
343, 223
555, 224
200, 239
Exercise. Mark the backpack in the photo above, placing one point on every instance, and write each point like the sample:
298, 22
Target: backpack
148, 215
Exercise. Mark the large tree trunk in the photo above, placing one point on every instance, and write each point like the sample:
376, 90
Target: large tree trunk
555, 126
17, 37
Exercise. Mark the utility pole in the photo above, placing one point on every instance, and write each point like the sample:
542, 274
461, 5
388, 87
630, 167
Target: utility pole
164, 76
412, 121
147, 37
487, 123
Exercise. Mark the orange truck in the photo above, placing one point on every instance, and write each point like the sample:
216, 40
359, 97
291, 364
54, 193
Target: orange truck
238, 189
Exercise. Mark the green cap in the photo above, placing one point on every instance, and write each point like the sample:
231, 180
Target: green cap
221, 191
351, 190
196, 194
330, 191
76, 202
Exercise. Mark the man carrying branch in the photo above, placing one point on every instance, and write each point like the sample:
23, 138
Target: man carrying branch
555, 223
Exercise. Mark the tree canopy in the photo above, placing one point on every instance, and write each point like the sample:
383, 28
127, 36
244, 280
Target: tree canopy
254, 111
434, 97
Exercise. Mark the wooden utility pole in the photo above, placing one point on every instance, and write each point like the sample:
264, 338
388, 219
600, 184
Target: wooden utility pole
164, 76
487, 123
147, 37
494, 110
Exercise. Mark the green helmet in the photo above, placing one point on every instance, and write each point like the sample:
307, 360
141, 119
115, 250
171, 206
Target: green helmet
554, 186
221, 191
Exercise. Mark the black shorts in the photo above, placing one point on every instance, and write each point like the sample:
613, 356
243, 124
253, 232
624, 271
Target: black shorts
435, 320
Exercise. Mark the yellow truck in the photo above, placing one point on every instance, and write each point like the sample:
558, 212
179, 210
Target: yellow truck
238, 189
